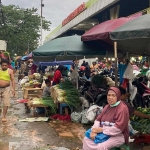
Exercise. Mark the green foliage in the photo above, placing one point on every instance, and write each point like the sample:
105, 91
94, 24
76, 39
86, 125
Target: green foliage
48, 101
141, 124
72, 94
22, 26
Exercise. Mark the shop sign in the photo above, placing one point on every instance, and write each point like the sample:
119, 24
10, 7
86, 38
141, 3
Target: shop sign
76, 12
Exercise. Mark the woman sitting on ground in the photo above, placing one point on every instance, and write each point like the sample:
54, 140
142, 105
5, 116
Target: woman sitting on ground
113, 121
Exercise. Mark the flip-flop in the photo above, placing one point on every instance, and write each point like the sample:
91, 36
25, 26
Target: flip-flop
4, 120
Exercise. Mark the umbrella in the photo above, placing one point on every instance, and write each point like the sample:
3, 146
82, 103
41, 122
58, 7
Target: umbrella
24, 58
30, 55
134, 36
66, 48
101, 31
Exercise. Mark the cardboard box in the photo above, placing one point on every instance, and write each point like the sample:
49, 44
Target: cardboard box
3, 45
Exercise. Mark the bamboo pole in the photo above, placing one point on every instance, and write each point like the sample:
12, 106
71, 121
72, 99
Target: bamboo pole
116, 64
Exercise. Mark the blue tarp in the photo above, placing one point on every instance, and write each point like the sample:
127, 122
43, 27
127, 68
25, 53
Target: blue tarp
67, 62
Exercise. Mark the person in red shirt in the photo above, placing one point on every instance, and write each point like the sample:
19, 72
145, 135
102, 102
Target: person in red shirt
58, 75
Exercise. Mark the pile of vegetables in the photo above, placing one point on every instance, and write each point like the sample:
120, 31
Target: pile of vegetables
37, 76
141, 124
46, 101
66, 92
6, 54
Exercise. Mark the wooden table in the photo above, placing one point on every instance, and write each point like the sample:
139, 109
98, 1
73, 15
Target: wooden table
40, 106
32, 92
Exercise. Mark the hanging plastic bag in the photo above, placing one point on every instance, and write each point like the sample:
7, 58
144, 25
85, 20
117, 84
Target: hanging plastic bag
100, 137
124, 83
132, 90
128, 74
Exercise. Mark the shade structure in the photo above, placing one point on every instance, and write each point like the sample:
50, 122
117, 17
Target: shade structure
102, 31
66, 48
134, 36
30, 55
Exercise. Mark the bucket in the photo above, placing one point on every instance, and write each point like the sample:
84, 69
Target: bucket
40, 110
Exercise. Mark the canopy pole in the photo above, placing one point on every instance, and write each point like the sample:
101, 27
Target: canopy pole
116, 64
77, 76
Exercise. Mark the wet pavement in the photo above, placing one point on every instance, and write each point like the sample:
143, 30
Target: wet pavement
52, 135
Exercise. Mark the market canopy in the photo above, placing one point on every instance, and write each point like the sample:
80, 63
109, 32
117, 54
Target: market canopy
67, 62
67, 48
134, 36
102, 31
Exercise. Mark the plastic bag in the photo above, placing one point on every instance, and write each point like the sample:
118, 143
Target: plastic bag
24, 80
92, 112
76, 117
43, 84
128, 74
100, 137
131, 130
124, 83
132, 90
84, 120
61, 117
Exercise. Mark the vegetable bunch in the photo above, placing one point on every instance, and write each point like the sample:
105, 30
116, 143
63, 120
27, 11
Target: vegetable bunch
141, 124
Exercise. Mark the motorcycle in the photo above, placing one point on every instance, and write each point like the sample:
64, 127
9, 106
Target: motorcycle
142, 98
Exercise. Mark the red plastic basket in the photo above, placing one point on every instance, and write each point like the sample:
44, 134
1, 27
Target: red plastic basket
145, 138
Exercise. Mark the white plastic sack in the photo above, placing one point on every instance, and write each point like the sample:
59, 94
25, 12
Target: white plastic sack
148, 74
128, 74
85, 103
132, 90
24, 80
76, 117
92, 112
84, 120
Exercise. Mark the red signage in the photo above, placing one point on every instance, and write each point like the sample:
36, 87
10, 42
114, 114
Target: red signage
76, 12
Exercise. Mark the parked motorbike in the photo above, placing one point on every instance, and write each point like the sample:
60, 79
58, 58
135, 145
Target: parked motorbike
142, 98
96, 96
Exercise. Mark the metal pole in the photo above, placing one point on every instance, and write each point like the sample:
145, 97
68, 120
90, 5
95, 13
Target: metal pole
116, 64
41, 21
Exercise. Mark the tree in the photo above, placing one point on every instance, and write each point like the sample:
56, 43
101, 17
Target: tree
21, 28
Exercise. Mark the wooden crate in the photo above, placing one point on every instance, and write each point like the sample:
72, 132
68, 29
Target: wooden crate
32, 92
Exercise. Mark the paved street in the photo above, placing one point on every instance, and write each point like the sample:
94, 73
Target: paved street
53, 135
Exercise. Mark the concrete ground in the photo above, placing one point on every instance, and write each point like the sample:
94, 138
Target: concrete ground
52, 135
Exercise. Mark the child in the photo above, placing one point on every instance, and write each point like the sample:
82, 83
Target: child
46, 90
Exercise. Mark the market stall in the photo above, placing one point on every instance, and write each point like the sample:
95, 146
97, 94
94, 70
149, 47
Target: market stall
65, 95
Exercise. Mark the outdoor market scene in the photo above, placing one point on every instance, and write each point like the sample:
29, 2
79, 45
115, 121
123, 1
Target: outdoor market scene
80, 85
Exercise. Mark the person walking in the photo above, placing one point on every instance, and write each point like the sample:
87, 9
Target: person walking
6, 78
